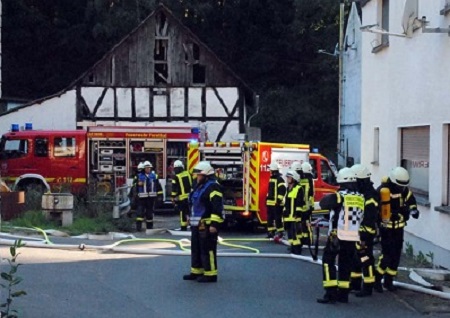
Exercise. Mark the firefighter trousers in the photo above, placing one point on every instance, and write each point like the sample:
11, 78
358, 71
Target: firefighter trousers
203, 251
182, 208
145, 212
346, 252
391, 251
363, 266
274, 219
291, 228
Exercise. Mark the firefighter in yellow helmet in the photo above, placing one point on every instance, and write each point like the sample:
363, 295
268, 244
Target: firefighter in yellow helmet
276, 191
346, 212
399, 203
364, 270
181, 187
206, 205
294, 203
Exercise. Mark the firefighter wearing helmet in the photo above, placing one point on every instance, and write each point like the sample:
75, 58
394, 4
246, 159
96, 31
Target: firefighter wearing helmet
294, 203
149, 191
206, 205
397, 204
346, 212
307, 183
276, 191
181, 187
133, 195
364, 270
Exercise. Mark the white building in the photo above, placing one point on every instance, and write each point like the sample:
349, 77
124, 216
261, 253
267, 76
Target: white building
405, 109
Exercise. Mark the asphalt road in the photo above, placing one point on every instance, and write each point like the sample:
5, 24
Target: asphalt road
92, 283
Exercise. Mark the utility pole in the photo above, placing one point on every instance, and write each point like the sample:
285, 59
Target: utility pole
341, 76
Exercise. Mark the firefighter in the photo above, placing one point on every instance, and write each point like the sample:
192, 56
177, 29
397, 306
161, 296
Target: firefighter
181, 187
275, 201
364, 263
206, 205
294, 202
149, 190
307, 183
346, 211
133, 195
397, 204
297, 167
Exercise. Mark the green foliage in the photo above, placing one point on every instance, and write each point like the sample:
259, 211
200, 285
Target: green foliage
32, 218
9, 282
409, 250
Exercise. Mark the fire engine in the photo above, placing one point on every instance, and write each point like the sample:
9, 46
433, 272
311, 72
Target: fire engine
106, 157
242, 169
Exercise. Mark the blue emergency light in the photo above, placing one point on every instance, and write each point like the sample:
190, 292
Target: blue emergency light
195, 130
28, 126
14, 127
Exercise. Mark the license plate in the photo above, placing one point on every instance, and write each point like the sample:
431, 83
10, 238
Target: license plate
228, 212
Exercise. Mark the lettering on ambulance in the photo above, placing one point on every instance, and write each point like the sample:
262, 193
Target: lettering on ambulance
420, 164
64, 179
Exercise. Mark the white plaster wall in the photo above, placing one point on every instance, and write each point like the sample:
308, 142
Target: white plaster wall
55, 113
351, 104
142, 100
405, 85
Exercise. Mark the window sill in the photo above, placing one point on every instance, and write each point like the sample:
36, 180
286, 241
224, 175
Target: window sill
443, 209
423, 201
380, 47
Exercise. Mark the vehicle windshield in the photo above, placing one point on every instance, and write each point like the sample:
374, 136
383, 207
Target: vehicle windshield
13, 148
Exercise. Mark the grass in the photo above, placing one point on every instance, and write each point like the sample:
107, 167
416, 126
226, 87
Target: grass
92, 217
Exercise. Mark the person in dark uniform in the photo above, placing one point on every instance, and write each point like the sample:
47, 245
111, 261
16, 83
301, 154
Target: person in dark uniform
364, 269
397, 204
181, 188
149, 190
206, 205
346, 212
276, 191
293, 207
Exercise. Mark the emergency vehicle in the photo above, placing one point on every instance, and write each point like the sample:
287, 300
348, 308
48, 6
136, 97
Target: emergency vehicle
242, 169
101, 157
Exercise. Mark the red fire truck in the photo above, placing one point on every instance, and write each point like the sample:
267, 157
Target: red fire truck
106, 157
243, 171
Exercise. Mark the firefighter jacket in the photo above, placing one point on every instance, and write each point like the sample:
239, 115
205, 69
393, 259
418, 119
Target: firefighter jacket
308, 185
368, 229
346, 213
294, 204
148, 185
276, 190
402, 202
206, 203
181, 186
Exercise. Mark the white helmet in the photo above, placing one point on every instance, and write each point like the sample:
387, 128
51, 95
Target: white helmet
293, 174
274, 166
203, 167
306, 167
140, 166
361, 171
147, 164
178, 164
399, 176
296, 165
346, 175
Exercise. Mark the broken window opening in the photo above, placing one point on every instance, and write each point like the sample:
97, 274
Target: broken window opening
161, 25
160, 52
161, 73
196, 51
91, 78
198, 74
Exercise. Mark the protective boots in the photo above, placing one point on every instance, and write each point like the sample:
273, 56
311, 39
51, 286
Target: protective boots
389, 283
330, 296
377, 285
138, 226
365, 291
342, 295
355, 284
192, 276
